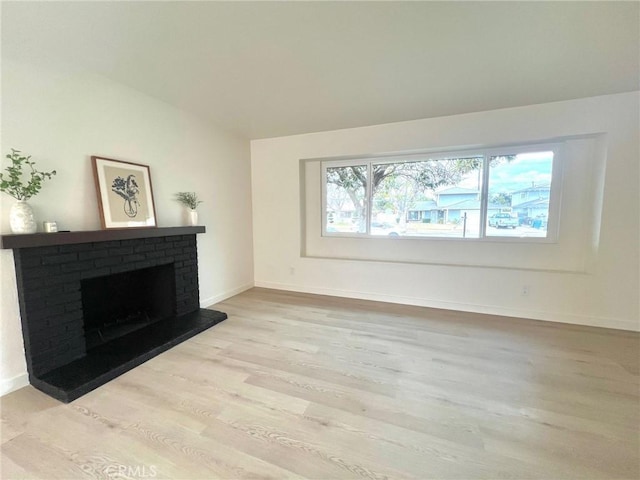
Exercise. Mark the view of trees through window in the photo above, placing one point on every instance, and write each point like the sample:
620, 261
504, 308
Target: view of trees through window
347, 199
441, 197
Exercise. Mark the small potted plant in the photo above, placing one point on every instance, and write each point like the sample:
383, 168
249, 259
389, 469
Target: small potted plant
21, 216
190, 200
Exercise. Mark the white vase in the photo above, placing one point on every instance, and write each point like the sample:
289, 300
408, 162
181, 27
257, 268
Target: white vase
193, 218
21, 218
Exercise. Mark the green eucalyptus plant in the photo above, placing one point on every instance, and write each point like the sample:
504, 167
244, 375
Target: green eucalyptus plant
188, 199
12, 184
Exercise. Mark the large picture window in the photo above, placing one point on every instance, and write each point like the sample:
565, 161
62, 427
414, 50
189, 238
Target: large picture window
498, 193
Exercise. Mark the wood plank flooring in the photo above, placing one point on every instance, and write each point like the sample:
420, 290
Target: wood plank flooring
305, 386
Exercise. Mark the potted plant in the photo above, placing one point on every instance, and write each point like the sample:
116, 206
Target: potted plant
21, 216
190, 200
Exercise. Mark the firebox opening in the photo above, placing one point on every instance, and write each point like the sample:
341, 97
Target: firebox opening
118, 304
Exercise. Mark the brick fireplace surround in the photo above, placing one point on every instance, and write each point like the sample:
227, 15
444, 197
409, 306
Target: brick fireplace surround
50, 270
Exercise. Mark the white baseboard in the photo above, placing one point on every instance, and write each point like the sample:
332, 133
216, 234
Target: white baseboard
9, 385
207, 302
590, 321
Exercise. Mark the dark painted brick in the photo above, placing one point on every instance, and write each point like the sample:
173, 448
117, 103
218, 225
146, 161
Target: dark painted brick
59, 258
33, 294
71, 287
66, 318
55, 327
143, 248
93, 254
107, 262
32, 282
54, 249
44, 313
41, 344
55, 323
73, 307
182, 297
77, 266
47, 337
121, 251
37, 303
136, 257
109, 244
79, 247
62, 299
64, 278
42, 271
31, 262
41, 358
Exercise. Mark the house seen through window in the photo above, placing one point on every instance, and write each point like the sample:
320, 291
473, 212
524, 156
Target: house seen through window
504, 193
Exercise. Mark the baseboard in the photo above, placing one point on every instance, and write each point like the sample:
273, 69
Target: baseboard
207, 302
11, 384
585, 320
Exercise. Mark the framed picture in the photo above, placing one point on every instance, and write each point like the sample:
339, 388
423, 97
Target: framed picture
125, 196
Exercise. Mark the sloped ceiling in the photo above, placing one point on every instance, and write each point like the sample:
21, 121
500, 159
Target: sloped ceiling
268, 69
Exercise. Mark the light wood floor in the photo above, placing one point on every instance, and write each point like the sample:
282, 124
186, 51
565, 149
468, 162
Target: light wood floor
303, 386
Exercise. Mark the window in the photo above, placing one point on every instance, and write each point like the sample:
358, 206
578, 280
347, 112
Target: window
346, 198
519, 194
492, 193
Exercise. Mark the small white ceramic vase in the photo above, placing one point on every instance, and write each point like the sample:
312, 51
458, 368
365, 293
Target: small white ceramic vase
21, 218
193, 218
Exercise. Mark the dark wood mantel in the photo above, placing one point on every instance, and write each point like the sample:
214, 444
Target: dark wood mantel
67, 238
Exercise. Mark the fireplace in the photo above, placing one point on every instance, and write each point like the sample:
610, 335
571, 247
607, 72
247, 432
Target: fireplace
118, 304
96, 304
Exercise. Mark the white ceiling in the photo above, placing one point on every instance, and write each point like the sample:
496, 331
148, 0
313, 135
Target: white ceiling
265, 69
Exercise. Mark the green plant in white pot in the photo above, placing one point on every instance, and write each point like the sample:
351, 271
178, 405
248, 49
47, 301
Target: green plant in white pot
21, 216
191, 201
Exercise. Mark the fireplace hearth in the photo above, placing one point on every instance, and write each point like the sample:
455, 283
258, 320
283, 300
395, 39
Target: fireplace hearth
96, 304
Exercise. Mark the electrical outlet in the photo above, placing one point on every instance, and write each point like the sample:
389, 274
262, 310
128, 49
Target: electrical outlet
525, 290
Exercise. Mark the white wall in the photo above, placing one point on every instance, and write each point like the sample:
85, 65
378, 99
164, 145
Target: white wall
600, 288
62, 117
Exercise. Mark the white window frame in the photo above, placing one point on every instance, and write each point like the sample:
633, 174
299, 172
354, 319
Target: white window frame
555, 193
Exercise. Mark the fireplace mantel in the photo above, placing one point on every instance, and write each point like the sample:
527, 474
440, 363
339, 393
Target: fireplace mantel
89, 236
